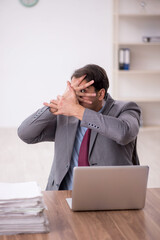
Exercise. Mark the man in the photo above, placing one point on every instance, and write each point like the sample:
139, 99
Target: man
86, 104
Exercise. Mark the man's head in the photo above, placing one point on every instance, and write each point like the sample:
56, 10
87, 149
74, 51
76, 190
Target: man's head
100, 85
96, 73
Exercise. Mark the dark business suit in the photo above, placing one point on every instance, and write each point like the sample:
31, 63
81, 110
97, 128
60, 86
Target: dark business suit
112, 140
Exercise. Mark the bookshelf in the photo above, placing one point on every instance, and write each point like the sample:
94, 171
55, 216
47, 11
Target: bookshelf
133, 20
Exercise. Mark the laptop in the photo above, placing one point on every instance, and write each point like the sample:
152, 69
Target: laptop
109, 188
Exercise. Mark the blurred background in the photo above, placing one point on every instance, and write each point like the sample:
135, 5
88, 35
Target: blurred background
40, 47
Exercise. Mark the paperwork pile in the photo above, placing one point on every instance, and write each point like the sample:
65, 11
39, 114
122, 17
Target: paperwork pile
22, 209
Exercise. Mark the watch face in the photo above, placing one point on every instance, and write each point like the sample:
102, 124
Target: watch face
29, 3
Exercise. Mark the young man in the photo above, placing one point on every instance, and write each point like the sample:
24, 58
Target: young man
85, 104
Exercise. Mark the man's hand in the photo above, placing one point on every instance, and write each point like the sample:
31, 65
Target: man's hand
67, 104
52, 105
80, 89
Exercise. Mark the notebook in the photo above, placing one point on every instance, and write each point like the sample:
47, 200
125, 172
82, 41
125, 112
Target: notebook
109, 188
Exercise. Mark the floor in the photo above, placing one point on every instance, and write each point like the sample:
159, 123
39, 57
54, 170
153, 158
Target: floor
22, 162
149, 154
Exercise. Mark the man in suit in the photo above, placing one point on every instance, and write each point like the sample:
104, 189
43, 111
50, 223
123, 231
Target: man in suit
86, 104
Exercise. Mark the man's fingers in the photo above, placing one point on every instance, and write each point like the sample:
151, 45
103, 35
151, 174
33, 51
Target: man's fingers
71, 91
54, 102
83, 94
70, 86
84, 100
46, 104
59, 97
79, 88
53, 110
83, 77
52, 106
87, 84
76, 81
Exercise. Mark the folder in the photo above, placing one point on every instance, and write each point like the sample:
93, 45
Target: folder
124, 59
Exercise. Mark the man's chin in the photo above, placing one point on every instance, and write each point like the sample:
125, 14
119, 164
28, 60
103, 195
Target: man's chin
85, 105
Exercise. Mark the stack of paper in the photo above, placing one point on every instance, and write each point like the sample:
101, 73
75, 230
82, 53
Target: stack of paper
22, 209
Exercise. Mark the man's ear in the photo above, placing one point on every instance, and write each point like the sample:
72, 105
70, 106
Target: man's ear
101, 94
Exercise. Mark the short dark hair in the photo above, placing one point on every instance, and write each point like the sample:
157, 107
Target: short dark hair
93, 72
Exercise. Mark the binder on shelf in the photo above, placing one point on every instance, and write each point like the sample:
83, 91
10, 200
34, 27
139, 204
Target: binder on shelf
121, 59
124, 59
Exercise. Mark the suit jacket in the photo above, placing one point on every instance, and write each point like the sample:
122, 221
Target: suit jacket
112, 141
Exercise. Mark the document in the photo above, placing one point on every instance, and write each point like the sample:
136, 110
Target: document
22, 209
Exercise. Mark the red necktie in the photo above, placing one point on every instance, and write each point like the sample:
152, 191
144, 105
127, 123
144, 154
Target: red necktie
83, 152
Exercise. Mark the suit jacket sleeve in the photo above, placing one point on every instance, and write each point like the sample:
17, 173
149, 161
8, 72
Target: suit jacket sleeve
122, 128
38, 127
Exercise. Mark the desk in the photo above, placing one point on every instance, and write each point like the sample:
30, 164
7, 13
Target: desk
101, 225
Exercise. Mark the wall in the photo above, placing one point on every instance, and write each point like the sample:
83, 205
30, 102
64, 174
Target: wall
41, 46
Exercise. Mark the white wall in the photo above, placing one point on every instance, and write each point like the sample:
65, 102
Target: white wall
40, 47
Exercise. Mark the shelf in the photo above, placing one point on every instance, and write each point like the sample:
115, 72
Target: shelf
137, 15
141, 83
137, 72
141, 100
145, 44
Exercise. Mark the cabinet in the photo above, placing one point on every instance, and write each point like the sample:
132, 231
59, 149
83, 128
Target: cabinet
133, 20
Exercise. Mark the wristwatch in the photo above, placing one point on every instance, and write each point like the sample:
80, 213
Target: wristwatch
29, 3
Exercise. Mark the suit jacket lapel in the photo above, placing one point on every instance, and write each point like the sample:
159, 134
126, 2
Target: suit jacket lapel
72, 125
108, 105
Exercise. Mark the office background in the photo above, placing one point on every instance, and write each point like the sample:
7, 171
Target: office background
40, 47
